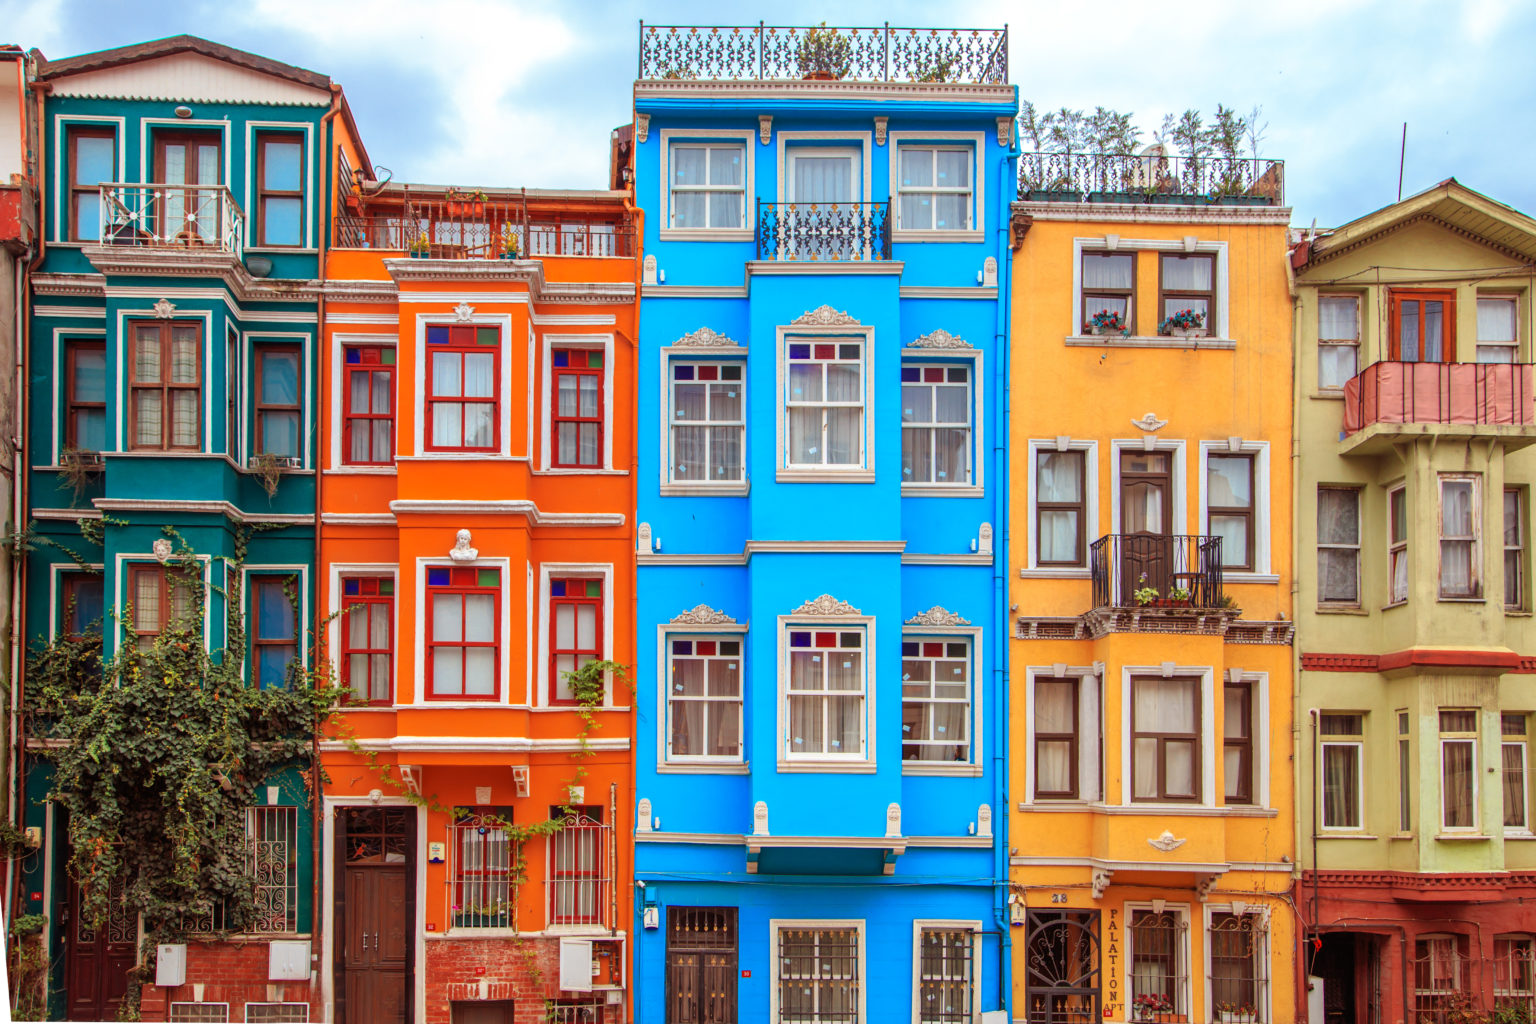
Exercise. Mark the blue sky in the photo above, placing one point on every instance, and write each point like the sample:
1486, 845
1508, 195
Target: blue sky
504, 92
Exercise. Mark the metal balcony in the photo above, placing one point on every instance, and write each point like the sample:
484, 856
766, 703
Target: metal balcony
1150, 177
1184, 570
833, 232
172, 216
1390, 401
476, 227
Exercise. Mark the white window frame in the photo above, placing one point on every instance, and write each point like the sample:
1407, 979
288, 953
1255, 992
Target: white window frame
684, 632
976, 717
1523, 742
1442, 739
861, 472
1181, 910
591, 342
419, 696
1219, 333
1090, 743
1357, 547
1478, 575
339, 344
56, 571
973, 485
119, 598
1398, 549
1522, 499
666, 764
1405, 771
1207, 718
382, 570
718, 355
923, 924
1358, 743
538, 643
863, 762
1511, 347
248, 594
1091, 507
747, 231
1264, 1005
779, 924
976, 144
1262, 571
306, 129
503, 321
1337, 342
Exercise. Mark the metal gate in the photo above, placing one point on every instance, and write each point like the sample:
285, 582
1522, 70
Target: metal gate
1061, 965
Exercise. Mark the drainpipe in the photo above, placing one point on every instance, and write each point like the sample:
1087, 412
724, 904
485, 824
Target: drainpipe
638, 216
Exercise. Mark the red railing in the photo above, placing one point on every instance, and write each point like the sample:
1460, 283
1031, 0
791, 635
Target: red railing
1486, 394
471, 228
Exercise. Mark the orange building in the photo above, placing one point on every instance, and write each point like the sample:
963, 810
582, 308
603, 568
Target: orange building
475, 545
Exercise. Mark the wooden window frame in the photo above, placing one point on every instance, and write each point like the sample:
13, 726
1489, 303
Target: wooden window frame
1354, 740
262, 407
1249, 515
1245, 745
351, 418
933, 424
164, 574
72, 348
1352, 343
1080, 507
1474, 539
1086, 313
71, 582
74, 133
432, 398
583, 372
232, 395
1515, 551
714, 705
263, 193
1459, 737
429, 641
257, 582
1038, 736
166, 329
1164, 294
580, 655
1196, 740
348, 648
1397, 545
1396, 298
1356, 547
930, 699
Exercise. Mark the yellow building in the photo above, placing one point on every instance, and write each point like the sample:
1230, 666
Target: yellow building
1153, 814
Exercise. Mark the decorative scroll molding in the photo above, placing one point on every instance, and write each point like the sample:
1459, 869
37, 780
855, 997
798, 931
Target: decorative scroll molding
1166, 842
765, 128
642, 127
461, 551
937, 616
824, 316
1150, 423
702, 615
463, 312
705, 337
880, 128
826, 604
1101, 880
938, 339
165, 309
1004, 130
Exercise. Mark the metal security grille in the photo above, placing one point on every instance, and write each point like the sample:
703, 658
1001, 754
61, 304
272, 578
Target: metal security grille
1441, 980
1237, 967
483, 883
1159, 970
199, 1013
818, 975
276, 1013
1061, 964
1514, 975
580, 870
945, 987
701, 965
274, 858
574, 1013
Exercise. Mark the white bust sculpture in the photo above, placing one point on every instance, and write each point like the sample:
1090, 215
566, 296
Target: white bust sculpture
462, 552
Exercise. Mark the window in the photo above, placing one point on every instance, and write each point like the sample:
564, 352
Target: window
1423, 327
1056, 735
85, 413
825, 403
1237, 734
280, 188
701, 965
708, 185
463, 656
1338, 545
1514, 548
1404, 774
1498, 329
1512, 757
936, 424
704, 698
1238, 959
184, 160
274, 630
368, 430
1459, 521
463, 373
1109, 286
1397, 545
162, 598
273, 835
1061, 515
1342, 783
1165, 739
708, 423
820, 976
1440, 970
1230, 507
166, 403
946, 988
825, 696
935, 192
92, 162
1338, 339
579, 876
278, 406
1458, 768
483, 880
1514, 980
935, 699
367, 638
578, 407
1159, 978
232, 394
1189, 283
576, 611
80, 604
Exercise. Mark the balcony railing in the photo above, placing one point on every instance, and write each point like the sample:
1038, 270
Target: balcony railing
1150, 178
1185, 570
880, 53
1476, 394
172, 216
823, 231
478, 229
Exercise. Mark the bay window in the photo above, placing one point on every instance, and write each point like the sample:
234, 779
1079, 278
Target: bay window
578, 407
1165, 739
1397, 545
367, 638
1460, 519
1338, 545
1458, 768
1237, 742
368, 414
825, 692
824, 403
279, 407
165, 383
161, 599
1342, 783
576, 614
463, 381
1513, 728
85, 389
274, 630
1514, 548
1055, 725
463, 651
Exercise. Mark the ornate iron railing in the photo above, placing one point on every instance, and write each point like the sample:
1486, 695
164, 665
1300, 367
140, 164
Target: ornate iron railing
1184, 570
823, 231
172, 216
580, 871
1150, 178
483, 879
480, 229
1481, 394
880, 53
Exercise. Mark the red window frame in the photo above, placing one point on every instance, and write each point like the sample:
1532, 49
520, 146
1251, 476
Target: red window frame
367, 592
577, 365
1447, 322
463, 581
73, 406
586, 877
372, 361
574, 593
462, 340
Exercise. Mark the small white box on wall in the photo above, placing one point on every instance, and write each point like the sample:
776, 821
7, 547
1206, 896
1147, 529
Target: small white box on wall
288, 960
576, 965
171, 964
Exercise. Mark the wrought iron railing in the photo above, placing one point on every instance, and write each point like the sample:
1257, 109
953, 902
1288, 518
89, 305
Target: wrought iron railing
823, 231
483, 879
580, 871
1479, 394
172, 216
1184, 570
879, 53
480, 229
1150, 178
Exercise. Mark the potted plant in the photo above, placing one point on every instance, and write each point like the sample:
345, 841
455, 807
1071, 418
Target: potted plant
1106, 322
1178, 597
418, 246
1144, 594
1154, 1006
511, 243
1186, 323
933, 69
1236, 1013
824, 55
466, 202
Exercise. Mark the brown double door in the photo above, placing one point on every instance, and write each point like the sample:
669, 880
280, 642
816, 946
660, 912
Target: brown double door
373, 914
1146, 513
97, 959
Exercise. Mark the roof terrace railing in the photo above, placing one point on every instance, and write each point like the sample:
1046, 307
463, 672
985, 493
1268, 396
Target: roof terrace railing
881, 53
1150, 177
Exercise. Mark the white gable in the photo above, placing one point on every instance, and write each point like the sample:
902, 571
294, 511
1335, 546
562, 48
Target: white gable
188, 78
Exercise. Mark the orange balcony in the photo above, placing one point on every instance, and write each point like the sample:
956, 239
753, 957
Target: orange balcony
1388, 402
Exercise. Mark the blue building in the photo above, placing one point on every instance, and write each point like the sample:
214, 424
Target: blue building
822, 678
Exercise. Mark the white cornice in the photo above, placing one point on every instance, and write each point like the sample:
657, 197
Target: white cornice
476, 744
824, 267
511, 507
912, 92
527, 272
216, 507
844, 547
1146, 213
694, 291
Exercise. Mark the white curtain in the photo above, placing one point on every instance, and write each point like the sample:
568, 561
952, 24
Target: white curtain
725, 453
1187, 273
1143, 512
1338, 523
1335, 365
1338, 318
1341, 785
1054, 707
1513, 763
1496, 330
479, 375
1434, 321
1233, 531
823, 179
1107, 271
1230, 481
843, 436
1456, 532
1166, 706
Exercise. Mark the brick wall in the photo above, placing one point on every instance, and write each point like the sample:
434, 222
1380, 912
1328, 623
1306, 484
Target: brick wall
229, 972
526, 971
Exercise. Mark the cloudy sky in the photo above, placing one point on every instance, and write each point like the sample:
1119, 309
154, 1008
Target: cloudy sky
507, 92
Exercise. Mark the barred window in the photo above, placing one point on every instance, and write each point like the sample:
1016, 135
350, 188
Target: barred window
819, 975
273, 834
1159, 967
946, 988
483, 879
1237, 944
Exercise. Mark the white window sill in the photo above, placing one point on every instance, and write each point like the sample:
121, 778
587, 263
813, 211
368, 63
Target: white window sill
945, 770
1517, 613
1146, 341
296, 250
1249, 577
849, 767
1519, 836
1351, 834
1462, 837
572, 471
1068, 805
1328, 395
428, 455
707, 234
922, 235
1063, 573
942, 491
1341, 609
830, 475
703, 768
363, 470
730, 490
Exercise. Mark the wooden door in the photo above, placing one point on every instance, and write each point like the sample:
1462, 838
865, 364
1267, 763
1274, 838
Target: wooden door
191, 216
1146, 515
97, 960
701, 965
373, 918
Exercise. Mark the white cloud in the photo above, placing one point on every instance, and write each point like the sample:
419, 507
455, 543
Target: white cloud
29, 23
